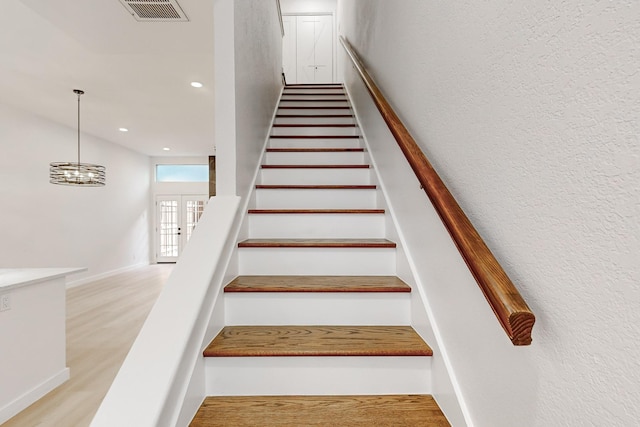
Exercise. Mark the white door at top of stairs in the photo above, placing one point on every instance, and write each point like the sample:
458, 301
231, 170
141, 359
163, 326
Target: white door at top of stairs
308, 49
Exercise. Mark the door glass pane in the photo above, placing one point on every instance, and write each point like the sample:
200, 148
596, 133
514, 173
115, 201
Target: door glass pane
194, 209
168, 228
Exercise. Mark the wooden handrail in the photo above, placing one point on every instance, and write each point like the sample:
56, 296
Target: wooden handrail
508, 305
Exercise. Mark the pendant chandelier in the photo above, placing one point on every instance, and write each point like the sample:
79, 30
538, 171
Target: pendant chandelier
76, 173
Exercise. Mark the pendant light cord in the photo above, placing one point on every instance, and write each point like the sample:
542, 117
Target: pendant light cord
79, 93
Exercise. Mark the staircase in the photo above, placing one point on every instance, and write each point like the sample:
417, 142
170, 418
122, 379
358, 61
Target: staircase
317, 325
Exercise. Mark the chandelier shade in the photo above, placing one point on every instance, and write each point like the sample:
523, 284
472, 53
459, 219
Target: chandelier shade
77, 173
84, 174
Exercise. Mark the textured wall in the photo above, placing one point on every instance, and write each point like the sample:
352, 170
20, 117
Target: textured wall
529, 111
45, 225
258, 80
248, 80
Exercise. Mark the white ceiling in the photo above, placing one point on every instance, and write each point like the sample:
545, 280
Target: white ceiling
135, 74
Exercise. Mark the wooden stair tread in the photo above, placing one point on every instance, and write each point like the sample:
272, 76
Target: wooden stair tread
314, 136
317, 211
315, 166
314, 94
316, 243
314, 100
286, 107
320, 284
314, 116
315, 187
319, 125
290, 341
347, 411
306, 85
315, 150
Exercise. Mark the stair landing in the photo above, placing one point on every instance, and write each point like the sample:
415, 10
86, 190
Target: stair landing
356, 411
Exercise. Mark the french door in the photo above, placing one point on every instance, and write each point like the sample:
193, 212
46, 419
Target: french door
176, 217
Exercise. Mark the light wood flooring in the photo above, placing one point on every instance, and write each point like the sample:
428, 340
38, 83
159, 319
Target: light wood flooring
103, 319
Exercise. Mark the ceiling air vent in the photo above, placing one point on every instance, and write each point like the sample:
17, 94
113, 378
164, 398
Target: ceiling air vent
155, 10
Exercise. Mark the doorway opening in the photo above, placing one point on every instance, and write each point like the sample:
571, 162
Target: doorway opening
176, 218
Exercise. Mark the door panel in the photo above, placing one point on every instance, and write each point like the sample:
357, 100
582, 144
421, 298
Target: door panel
323, 49
193, 208
168, 229
289, 46
305, 57
314, 50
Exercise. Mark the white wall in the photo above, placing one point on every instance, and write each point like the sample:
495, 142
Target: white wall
43, 225
308, 6
530, 114
248, 82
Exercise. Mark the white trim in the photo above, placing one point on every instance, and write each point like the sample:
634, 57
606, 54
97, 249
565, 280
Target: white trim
104, 275
33, 395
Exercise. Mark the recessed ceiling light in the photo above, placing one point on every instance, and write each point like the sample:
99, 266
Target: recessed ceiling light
196, 84
123, 130
166, 149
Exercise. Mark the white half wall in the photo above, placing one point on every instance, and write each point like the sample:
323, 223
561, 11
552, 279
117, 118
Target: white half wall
248, 82
105, 229
529, 112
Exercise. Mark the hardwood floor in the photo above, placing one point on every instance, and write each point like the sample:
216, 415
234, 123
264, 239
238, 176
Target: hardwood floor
103, 319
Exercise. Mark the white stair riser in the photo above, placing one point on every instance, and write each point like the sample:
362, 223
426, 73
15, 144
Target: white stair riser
316, 176
314, 111
317, 261
316, 226
327, 91
319, 130
314, 120
315, 158
249, 376
317, 309
315, 143
315, 199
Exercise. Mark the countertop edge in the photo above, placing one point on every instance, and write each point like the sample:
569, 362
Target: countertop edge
12, 278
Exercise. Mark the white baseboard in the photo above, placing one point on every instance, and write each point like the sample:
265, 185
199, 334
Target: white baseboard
104, 275
13, 408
